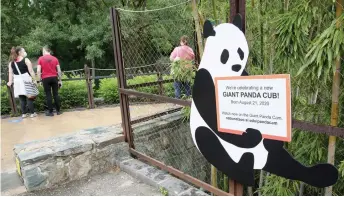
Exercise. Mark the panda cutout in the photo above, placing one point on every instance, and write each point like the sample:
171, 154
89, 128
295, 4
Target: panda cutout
225, 54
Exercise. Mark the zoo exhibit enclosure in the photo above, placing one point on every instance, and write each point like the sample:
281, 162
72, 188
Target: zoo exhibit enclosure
135, 50
171, 147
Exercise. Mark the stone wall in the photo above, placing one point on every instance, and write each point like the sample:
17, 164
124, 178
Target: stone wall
45, 163
168, 139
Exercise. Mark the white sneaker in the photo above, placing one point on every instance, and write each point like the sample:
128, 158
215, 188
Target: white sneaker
33, 115
24, 116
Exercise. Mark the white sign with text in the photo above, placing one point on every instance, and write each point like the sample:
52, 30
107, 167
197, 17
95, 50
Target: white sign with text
257, 102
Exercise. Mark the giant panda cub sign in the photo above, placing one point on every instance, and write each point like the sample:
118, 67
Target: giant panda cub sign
246, 145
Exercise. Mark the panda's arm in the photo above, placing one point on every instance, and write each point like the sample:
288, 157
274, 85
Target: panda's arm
204, 100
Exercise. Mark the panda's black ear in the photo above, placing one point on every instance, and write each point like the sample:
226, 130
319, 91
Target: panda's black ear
208, 29
237, 21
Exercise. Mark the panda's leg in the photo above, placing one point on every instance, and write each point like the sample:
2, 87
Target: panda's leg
281, 163
213, 151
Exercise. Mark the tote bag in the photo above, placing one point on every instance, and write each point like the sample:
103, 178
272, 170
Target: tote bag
30, 87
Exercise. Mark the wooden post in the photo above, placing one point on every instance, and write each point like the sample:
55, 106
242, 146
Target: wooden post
12, 101
89, 87
198, 28
86, 80
335, 99
93, 69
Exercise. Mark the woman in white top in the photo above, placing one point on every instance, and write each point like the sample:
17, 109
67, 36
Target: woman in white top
19, 62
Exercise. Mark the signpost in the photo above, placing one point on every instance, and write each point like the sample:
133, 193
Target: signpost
260, 102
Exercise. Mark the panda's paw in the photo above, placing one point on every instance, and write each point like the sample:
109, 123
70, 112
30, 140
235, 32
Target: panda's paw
252, 137
322, 175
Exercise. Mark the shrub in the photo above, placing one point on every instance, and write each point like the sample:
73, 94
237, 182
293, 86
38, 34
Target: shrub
145, 79
72, 94
108, 89
5, 105
168, 87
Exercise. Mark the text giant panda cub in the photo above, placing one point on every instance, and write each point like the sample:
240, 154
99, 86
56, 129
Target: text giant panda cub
225, 54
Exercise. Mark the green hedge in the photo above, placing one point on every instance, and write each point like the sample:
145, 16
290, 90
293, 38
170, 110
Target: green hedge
74, 93
5, 105
108, 89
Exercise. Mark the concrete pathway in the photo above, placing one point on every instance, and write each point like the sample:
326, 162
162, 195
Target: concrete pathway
17, 130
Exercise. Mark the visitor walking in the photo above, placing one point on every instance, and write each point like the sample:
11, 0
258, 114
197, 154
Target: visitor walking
49, 70
182, 68
22, 76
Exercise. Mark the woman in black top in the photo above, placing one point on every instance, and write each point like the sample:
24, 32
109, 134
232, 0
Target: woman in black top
26, 73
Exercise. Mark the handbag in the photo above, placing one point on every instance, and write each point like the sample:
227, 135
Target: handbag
30, 88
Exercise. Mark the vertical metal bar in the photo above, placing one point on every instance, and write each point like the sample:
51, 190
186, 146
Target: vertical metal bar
114, 26
233, 9
242, 12
124, 102
236, 188
237, 7
335, 100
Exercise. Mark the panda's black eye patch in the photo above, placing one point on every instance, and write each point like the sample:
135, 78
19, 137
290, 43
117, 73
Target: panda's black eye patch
241, 53
236, 67
224, 56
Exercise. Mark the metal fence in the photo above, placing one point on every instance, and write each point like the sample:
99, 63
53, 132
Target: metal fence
161, 134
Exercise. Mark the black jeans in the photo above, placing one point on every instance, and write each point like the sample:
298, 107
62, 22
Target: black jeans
23, 101
51, 84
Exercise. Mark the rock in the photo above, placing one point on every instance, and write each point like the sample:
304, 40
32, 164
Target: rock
33, 178
79, 166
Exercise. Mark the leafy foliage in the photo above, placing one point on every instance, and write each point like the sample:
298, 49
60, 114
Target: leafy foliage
183, 70
108, 89
5, 106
